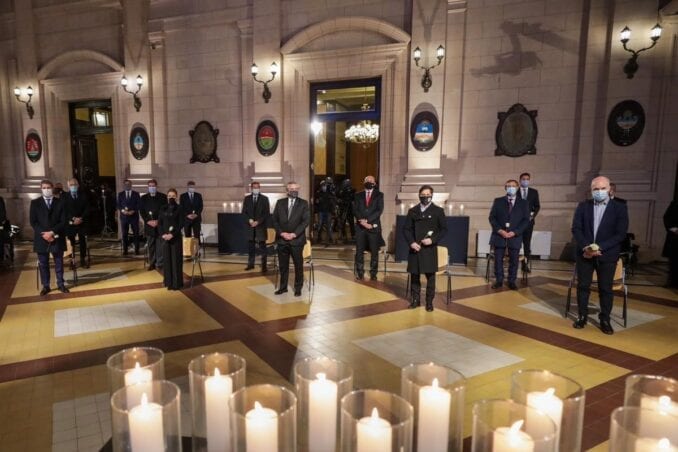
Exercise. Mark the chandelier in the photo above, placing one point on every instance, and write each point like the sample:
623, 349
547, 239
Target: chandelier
364, 133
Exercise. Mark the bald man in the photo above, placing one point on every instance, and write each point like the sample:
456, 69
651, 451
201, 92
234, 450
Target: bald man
599, 228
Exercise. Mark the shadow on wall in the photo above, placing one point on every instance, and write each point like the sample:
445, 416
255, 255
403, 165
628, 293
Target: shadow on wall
514, 61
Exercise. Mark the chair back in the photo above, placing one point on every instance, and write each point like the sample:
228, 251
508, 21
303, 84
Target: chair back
618, 274
191, 246
270, 236
69, 249
308, 250
443, 258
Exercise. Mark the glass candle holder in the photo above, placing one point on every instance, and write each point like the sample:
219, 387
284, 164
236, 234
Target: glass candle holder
631, 430
376, 421
213, 379
501, 426
264, 418
655, 393
135, 367
560, 397
150, 424
437, 395
320, 383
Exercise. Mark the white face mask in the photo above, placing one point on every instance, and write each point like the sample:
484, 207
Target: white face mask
255, 191
191, 189
47, 192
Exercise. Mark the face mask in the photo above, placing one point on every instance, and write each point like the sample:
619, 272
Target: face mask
511, 191
293, 194
369, 185
524, 183
152, 190
599, 195
128, 187
425, 200
256, 191
324, 188
73, 188
191, 189
172, 201
47, 192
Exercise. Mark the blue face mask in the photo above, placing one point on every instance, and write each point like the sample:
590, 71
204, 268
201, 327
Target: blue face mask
524, 183
191, 189
73, 188
600, 195
511, 191
152, 190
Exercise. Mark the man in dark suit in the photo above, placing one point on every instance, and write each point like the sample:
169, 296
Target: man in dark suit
48, 219
257, 209
509, 218
425, 225
613, 193
76, 205
670, 249
532, 197
599, 228
128, 205
191, 206
150, 209
368, 205
291, 217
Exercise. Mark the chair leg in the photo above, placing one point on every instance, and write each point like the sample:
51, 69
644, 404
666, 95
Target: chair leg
449, 289
192, 272
37, 276
487, 269
407, 287
569, 301
312, 274
626, 296
75, 271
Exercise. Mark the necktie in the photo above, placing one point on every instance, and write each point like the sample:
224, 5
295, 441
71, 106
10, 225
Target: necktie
289, 210
127, 195
255, 199
524, 193
75, 196
369, 197
510, 201
190, 195
49, 203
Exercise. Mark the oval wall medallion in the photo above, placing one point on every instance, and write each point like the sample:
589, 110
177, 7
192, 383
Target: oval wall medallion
139, 143
424, 131
33, 146
267, 137
626, 123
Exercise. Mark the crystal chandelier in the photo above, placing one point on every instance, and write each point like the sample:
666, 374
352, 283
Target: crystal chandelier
364, 133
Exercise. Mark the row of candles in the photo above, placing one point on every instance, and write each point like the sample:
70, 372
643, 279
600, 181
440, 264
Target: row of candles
449, 208
231, 207
545, 412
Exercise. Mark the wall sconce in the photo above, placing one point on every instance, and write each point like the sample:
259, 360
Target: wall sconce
140, 81
426, 80
29, 92
631, 66
274, 70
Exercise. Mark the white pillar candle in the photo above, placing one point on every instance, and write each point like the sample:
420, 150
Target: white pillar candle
224, 206
322, 414
239, 206
549, 404
654, 445
374, 434
145, 427
232, 206
658, 421
402, 208
137, 381
450, 208
434, 418
261, 429
218, 389
461, 209
505, 439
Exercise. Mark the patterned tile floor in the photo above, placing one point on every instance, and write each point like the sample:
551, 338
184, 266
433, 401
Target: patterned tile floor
54, 387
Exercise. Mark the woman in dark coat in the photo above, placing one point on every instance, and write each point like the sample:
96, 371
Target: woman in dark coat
425, 225
170, 221
671, 244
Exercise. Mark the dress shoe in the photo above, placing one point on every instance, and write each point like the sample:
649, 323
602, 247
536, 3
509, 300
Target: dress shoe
497, 284
360, 277
125, 253
151, 267
525, 266
63, 289
249, 267
414, 303
297, 292
264, 270
83, 264
605, 327
580, 322
280, 291
45, 291
429, 305
373, 277
512, 286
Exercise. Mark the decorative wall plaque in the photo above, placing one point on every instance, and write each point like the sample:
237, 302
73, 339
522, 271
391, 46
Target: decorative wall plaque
267, 137
424, 131
204, 143
516, 132
33, 146
138, 141
626, 123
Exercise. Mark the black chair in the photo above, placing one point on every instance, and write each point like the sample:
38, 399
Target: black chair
191, 250
443, 269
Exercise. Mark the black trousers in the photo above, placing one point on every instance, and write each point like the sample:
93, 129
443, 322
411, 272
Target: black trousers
527, 240
192, 229
125, 225
366, 241
83, 243
43, 265
605, 273
284, 252
155, 250
499, 264
673, 272
251, 252
430, 286
173, 273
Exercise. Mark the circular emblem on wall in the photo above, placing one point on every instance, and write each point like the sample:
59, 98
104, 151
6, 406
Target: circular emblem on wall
267, 137
424, 131
138, 141
204, 143
516, 132
33, 146
626, 123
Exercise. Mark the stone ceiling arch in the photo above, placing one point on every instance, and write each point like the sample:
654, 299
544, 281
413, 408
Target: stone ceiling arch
74, 56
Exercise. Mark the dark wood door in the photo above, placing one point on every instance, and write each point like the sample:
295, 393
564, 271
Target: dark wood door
86, 161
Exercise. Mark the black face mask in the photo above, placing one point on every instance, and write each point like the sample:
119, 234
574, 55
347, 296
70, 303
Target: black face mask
292, 194
173, 201
369, 185
425, 200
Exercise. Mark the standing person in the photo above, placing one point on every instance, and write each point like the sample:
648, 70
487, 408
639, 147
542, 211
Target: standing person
5, 229
425, 225
150, 209
509, 218
57, 190
48, 219
77, 215
670, 249
325, 203
170, 222
368, 205
613, 193
599, 228
532, 197
191, 205
291, 217
345, 199
129, 203
257, 209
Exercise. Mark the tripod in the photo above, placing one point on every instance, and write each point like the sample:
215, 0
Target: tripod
107, 231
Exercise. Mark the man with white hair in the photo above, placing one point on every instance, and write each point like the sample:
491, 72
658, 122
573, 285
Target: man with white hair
599, 228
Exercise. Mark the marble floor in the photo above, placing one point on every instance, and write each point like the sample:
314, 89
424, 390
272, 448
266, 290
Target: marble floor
53, 349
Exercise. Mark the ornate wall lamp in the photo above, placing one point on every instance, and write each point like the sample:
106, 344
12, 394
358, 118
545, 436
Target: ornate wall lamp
631, 65
29, 92
426, 80
267, 92
140, 81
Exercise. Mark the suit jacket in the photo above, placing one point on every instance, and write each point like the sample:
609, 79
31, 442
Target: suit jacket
618, 199
417, 226
150, 210
75, 208
191, 207
259, 212
297, 223
518, 220
671, 221
371, 213
134, 204
611, 231
44, 219
532, 201
3, 211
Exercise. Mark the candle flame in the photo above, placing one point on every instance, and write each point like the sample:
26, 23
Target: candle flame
144, 399
321, 376
216, 372
550, 391
664, 443
516, 426
137, 366
664, 402
375, 413
257, 406
435, 383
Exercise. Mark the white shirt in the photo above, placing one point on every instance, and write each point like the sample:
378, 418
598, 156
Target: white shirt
598, 212
424, 207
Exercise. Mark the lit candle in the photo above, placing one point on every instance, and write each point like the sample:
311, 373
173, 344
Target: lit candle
654, 445
232, 206
322, 414
402, 208
374, 434
224, 206
261, 429
450, 208
218, 389
411, 205
659, 420
434, 418
137, 381
145, 427
547, 403
461, 210
239, 206
505, 439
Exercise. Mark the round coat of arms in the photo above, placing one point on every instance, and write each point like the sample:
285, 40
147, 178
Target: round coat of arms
626, 123
33, 147
424, 131
204, 143
267, 138
516, 133
139, 142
